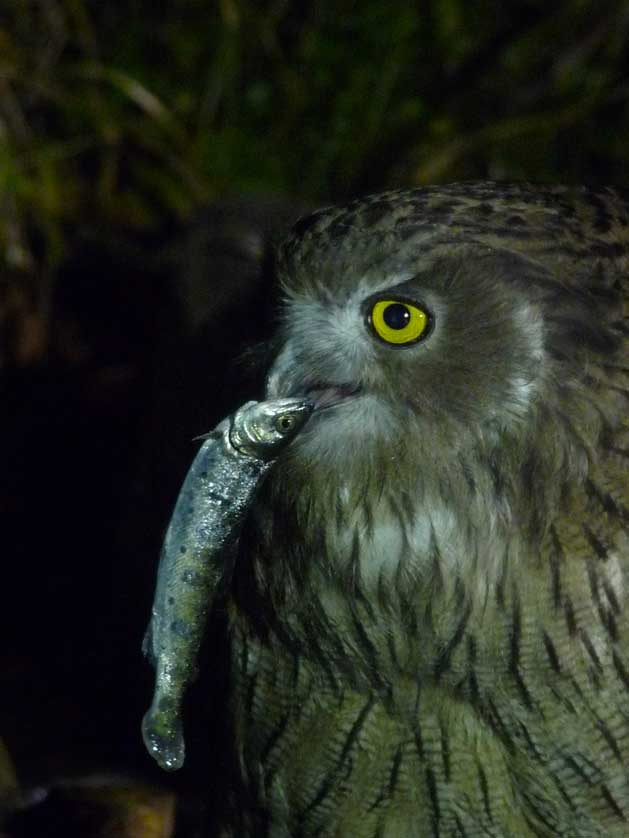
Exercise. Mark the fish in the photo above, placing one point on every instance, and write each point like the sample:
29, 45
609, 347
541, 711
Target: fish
199, 553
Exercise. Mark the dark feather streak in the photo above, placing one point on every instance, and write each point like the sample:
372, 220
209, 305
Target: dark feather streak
514, 654
609, 738
551, 652
611, 802
329, 781
445, 658
556, 559
621, 669
596, 544
434, 800
484, 788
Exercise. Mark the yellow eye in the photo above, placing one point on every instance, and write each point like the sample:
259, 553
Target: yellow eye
398, 322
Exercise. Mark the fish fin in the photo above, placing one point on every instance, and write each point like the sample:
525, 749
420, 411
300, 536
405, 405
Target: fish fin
211, 435
147, 643
215, 433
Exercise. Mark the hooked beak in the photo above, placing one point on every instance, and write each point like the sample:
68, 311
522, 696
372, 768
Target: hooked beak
285, 381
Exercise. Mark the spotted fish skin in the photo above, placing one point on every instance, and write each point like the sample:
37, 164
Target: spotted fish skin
198, 554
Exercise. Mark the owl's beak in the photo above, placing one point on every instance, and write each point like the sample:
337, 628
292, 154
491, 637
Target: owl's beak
279, 379
284, 381
323, 394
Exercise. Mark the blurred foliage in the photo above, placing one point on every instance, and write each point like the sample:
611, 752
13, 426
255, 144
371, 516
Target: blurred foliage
94, 806
8, 779
133, 114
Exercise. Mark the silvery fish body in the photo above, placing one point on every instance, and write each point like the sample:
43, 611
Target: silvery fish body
198, 554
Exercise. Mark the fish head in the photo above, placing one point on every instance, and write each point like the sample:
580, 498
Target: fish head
262, 429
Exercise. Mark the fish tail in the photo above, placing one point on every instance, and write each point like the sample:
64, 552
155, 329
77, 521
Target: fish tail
163, 737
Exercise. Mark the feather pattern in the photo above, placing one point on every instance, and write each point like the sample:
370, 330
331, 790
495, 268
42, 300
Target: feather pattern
428, 622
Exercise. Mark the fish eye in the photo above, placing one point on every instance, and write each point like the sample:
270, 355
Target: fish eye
285, 424
398, 322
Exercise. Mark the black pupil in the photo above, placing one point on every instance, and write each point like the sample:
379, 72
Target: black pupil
396, 316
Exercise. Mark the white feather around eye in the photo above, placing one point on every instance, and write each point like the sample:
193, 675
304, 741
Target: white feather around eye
327, 339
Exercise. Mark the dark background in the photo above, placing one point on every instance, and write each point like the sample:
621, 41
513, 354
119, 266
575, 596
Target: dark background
150, 157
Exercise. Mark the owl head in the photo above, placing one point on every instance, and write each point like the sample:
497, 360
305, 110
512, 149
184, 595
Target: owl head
449, 336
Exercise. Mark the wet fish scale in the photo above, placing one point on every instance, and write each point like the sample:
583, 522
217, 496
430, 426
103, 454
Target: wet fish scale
198, 554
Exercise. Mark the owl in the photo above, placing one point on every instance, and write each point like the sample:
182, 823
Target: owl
428, 625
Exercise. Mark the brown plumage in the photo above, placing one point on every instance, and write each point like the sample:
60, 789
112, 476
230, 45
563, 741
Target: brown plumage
428, 624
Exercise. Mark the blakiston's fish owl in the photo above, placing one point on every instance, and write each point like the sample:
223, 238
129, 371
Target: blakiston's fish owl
429, 620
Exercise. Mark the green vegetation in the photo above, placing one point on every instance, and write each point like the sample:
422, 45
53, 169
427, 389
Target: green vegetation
134, 114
